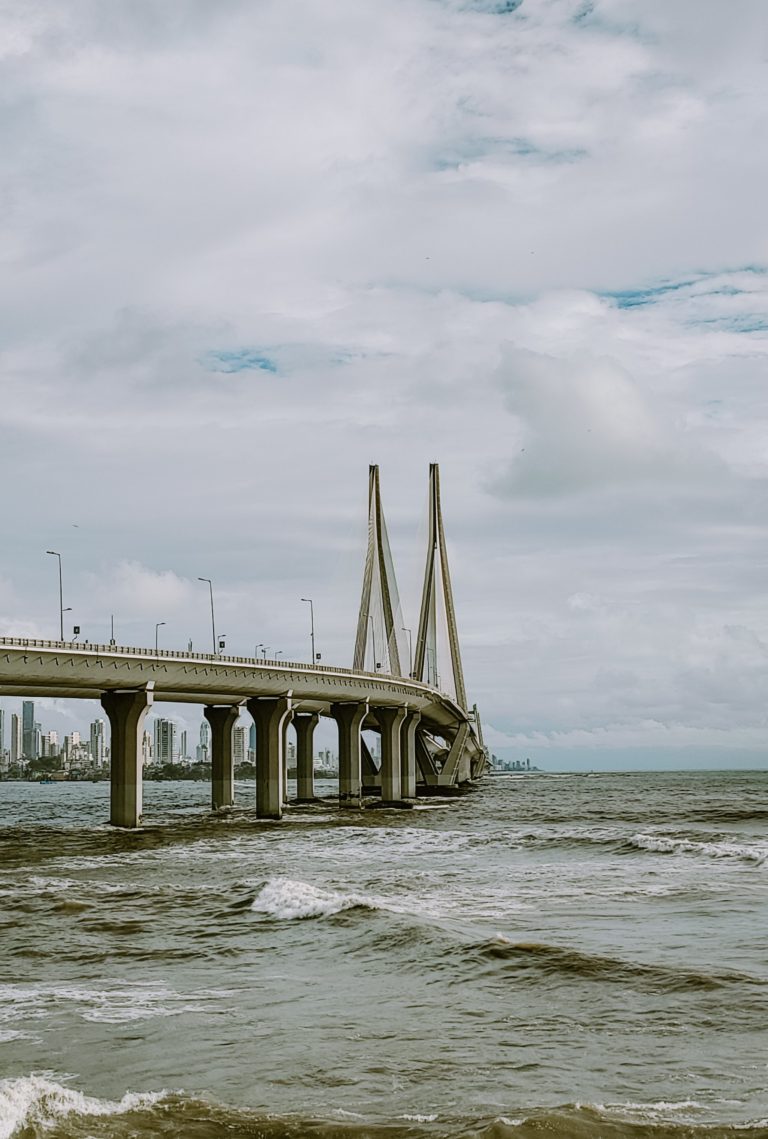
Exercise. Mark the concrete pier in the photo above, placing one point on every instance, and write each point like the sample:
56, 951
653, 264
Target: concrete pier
126, 710
390, 723
222, 718
286, 724
305, 724
269, 713
349, 718
408, 755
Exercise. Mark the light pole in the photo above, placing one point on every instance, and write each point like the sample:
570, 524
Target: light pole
410, 651
157, 626
213, 619
311, 626
56, 554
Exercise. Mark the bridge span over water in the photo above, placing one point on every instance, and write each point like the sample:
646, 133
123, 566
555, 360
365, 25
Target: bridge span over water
430, 740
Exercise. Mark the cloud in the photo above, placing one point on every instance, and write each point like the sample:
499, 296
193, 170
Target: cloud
251, 249
588, 425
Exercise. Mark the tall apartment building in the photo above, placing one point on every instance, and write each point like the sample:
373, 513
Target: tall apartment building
28, 740
165, 741
238, 745
16, 739
203, 750
97, 743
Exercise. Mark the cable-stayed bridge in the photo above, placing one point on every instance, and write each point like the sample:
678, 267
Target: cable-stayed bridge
431, 741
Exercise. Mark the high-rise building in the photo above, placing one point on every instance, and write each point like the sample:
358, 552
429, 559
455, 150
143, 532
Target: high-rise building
28, 740
183, 753
97, 743
16, 739
203, 750
3, 756
238, 745
165, 741
146, 748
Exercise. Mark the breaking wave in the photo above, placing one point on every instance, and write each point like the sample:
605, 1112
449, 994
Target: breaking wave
288, 900
36, 1107
668, 844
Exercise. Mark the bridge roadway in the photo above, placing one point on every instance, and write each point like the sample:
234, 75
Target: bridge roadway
426, 738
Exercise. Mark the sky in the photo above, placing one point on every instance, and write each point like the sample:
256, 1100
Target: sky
251, 246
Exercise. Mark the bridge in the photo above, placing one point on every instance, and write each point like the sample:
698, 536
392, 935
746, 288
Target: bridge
431, 742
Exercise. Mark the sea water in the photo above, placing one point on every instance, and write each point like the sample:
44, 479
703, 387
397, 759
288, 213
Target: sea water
545, 956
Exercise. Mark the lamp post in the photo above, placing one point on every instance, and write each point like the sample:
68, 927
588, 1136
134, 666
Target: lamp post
56, 554
410, 651
311, 625
157, 626
213, 619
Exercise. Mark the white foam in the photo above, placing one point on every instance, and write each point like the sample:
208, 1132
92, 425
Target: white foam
33, 1099
124, 1003
663, 844
288, 899
419, 1118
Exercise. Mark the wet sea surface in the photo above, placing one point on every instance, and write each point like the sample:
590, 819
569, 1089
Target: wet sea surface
546, 956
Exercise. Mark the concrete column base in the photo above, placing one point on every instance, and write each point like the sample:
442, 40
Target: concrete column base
269, 714
222, 718
126, 711
305, 724
390, 723
349, 719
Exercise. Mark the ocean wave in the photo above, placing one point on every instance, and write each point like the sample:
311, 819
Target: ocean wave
287, 899
35, 1104
669, 844
554, 960
37, 1107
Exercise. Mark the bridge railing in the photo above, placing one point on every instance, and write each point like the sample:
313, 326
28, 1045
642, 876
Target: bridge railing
217, 658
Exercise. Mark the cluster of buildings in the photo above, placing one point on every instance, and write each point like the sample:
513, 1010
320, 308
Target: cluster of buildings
24, 744
26, 750
511, 764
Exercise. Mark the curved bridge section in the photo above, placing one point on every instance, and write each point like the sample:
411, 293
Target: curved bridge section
430, 741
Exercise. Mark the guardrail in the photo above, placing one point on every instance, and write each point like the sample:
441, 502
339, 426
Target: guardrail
217, 658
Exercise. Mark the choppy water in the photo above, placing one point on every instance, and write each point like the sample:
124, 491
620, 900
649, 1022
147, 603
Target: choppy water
561, 956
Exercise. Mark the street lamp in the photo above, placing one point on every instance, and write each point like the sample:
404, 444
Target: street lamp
410, 650
56, 554
213, 619
311, 626
157, 626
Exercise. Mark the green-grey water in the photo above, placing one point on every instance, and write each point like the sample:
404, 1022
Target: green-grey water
548, 955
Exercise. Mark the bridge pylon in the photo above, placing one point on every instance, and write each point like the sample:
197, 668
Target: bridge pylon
379, 600
437, 582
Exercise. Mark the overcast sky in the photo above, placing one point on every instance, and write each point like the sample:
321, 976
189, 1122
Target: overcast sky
250, 247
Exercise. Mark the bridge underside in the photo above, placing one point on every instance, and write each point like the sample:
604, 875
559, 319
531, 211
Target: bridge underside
428, 743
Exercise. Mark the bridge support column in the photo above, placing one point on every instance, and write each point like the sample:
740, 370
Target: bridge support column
269, 715
305, 724
390, 722
349, 718
222, 718
286, 725
408, 755
126, 711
